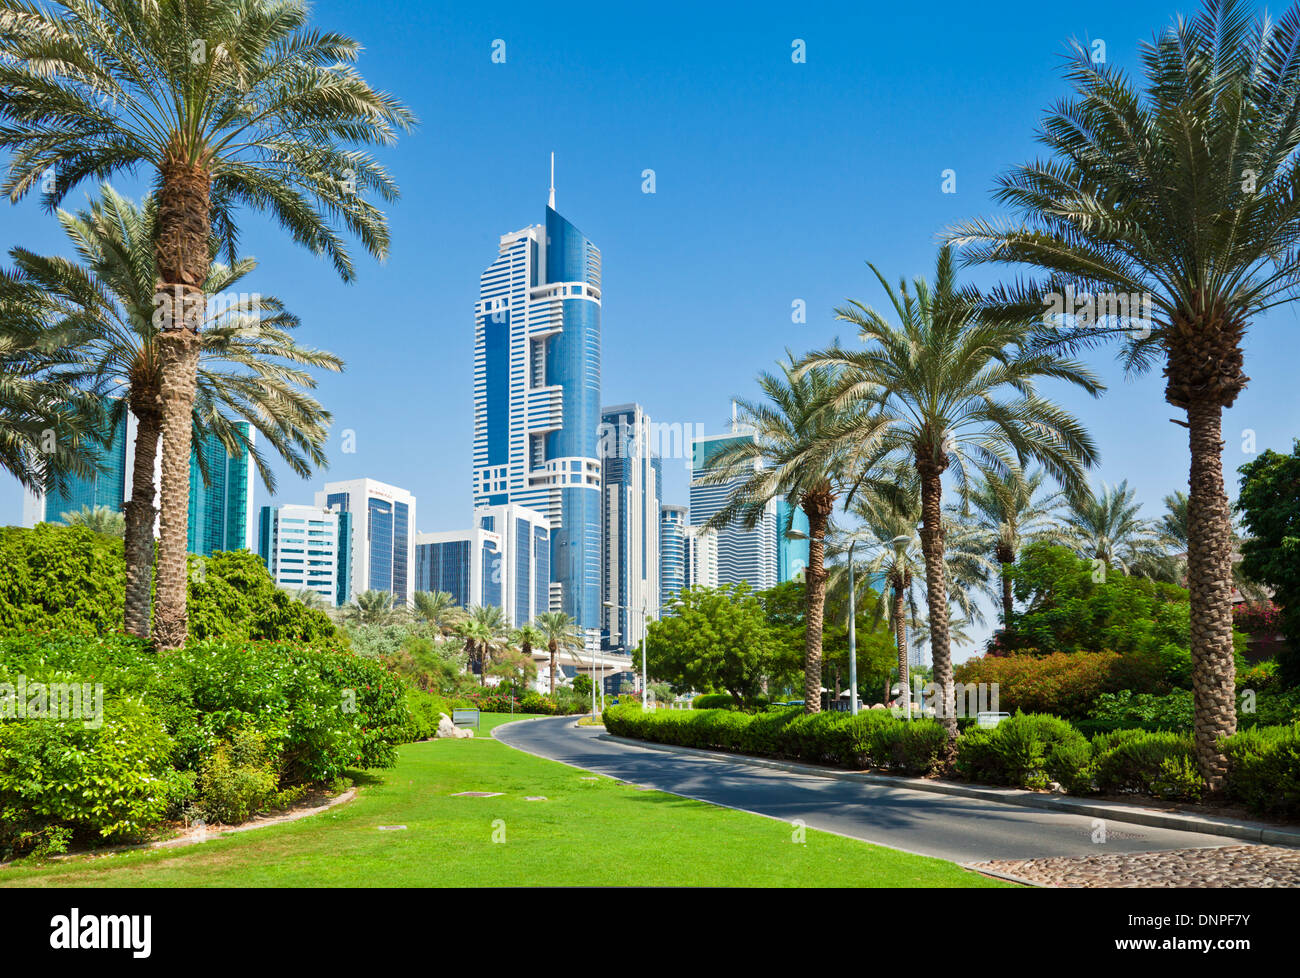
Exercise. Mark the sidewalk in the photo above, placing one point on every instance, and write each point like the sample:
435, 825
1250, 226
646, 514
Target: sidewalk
1136, 814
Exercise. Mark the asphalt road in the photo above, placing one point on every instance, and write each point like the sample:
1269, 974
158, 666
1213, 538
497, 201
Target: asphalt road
963, 830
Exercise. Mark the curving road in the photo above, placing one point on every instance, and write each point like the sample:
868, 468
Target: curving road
963, 830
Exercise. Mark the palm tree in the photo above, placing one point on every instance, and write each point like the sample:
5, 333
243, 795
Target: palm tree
372, 608
489, 631
1010, 512
559, 631
1181, 195
309, 598
48, 429
227, 103
957, 395
99, 519
439, 609
892, 553
1106, 526
526, 638
792, 456
101, 313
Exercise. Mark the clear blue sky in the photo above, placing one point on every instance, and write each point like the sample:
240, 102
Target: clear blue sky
775, 181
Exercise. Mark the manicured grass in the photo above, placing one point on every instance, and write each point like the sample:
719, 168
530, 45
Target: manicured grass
596, 833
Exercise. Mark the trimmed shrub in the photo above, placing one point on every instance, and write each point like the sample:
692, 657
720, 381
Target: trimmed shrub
912, 747
1264, 769
1159, 763
43, 580
1016, 752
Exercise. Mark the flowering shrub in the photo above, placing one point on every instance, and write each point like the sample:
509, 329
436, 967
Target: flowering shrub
1257, 619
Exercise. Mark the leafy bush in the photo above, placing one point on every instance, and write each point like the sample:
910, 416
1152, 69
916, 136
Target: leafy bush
1264, 769
1017, 751
240, 779
1160, 763
912, 747
101, 782
231, 596
43, 580
1061, 684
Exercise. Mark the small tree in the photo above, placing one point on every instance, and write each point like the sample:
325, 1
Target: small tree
716, 639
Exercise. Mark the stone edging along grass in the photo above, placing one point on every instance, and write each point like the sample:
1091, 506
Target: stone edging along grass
1113, 811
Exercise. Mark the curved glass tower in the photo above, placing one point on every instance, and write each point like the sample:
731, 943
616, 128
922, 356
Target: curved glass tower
537, 399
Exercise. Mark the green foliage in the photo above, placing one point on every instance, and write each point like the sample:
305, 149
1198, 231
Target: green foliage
70, 580
1025, 751
582, 684
103, 782
239, 779
715, 701
1264, 769
874, 738
716, 639
1065, 685
1159, 763
44, 575
231, 596
1269, 503
1067, 610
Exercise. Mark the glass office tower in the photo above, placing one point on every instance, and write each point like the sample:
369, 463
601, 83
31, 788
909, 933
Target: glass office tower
537, 400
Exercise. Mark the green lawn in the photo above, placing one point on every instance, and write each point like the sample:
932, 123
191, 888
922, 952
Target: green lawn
586, 833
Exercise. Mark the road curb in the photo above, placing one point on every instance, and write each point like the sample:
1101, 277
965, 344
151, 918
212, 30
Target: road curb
1112, 811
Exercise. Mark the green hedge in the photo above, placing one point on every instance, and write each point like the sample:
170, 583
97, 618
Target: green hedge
317, 711
1024, 751
874, 738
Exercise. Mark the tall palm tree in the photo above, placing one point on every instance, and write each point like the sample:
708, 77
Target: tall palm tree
957, 395
559, 631
526, 638
1107, 526
97, 519
227, 103
1179, 191
249, 369
1008, 509
792, 456
889, 549
439, 609
489, 633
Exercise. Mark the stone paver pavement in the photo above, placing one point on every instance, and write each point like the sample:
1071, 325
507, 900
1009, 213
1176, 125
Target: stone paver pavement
1221, 866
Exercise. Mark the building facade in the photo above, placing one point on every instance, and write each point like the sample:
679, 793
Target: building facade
504, 559
632, 480
220, 505
791, 542
701, 557
382, 553
537, 399
308, 548
674, 524
744, 554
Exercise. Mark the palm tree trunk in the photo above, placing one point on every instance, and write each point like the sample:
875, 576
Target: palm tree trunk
554, 649
900, 638
1007, 604
140, 514
183, 259
818, 506
932, 546
1209, 582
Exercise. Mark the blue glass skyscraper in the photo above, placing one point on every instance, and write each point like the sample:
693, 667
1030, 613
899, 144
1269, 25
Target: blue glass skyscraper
537, 399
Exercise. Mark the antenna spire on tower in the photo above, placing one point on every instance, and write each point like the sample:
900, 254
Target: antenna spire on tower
552, 201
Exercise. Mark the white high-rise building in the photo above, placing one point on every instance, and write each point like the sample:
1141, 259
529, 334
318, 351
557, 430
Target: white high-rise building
743, 553
701, 557
630, 525
383, 535
306, 548
503, 559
